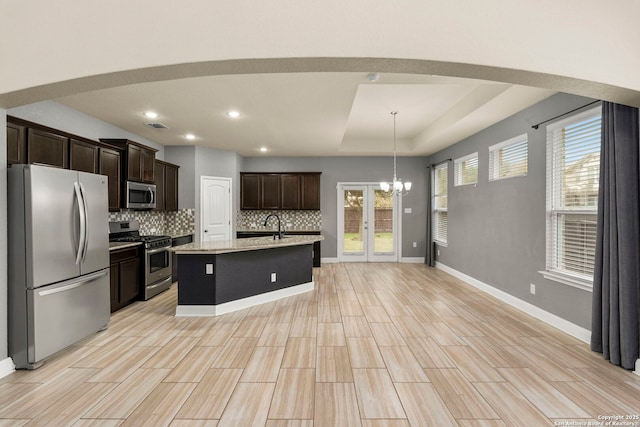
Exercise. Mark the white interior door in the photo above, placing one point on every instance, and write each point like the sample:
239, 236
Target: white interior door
367, 224
215, 209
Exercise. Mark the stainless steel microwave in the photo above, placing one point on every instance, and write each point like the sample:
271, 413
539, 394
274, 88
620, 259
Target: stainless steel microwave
140, 196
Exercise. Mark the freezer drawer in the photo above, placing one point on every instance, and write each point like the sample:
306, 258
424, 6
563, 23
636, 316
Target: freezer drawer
61, 314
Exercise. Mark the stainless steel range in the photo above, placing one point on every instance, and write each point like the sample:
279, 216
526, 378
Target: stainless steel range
157, 259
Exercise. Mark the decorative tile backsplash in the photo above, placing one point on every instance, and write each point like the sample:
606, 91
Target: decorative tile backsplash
291, 220
170, 223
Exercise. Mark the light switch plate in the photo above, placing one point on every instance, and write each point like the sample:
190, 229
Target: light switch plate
208, 268
408, 210
273, 277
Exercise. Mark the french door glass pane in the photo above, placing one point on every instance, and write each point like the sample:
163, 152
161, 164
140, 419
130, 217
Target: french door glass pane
383, 221
353, 222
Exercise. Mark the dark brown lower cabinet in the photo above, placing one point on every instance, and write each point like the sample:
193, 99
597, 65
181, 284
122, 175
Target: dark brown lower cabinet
125, 276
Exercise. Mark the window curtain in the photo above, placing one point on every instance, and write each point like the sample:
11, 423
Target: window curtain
430, 258
616, 283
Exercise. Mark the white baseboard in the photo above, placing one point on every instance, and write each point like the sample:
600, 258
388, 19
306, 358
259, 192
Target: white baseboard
558, 322
412, 260
6, 367
328, 260
228, 307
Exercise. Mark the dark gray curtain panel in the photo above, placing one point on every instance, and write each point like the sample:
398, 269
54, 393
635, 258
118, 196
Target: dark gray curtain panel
430, 258
616, 283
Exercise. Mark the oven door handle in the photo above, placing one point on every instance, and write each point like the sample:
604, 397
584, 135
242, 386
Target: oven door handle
155, 251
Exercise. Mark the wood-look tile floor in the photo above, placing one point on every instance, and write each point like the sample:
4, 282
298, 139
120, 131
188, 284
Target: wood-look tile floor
374, 345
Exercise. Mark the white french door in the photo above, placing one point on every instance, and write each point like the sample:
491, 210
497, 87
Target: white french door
367, 224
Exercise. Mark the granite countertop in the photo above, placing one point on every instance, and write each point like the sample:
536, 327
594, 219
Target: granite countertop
122, 245
241, 245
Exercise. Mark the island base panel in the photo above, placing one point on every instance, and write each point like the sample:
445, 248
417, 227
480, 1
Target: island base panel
239, 275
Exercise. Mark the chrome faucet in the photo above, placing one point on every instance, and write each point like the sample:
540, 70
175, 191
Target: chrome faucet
279, 225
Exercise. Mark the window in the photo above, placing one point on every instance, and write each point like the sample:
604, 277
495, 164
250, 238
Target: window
509, 158
440, 183
573, 170
466, 169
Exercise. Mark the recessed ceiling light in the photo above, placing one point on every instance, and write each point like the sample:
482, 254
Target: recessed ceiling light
233, 114
150, 114
190, 136
263, 149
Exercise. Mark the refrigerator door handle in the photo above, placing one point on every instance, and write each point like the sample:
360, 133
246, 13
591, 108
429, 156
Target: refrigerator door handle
74, 284
83, 226
86, 223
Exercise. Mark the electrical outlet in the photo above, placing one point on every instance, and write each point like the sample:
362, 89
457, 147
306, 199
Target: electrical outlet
438, 252
415, 244
408, 210
532, 289
273, 277
208, 268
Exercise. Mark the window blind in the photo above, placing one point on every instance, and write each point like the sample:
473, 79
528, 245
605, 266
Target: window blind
466, 170
440, 194
573, 171
509, 158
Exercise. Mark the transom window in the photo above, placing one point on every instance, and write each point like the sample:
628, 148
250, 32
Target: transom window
466, 170
509, 158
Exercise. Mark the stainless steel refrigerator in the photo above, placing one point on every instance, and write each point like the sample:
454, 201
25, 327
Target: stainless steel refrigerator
58, 260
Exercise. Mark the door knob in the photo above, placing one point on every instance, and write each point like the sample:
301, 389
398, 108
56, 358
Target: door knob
206, 231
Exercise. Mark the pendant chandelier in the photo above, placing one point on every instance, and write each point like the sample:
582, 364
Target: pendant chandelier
397, 186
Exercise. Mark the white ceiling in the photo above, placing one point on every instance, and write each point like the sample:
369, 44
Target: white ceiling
310, 114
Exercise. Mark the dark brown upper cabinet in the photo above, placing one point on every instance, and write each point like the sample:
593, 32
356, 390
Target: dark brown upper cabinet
270, 191
47, 148
310, 191
110, 166
166, 180
171, 186
16, 144
83, 156
147, 159
30, 142
160, 187
274, 191
249, 191
138, 162
290, 191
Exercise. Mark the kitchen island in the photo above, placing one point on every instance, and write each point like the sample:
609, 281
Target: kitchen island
223, 276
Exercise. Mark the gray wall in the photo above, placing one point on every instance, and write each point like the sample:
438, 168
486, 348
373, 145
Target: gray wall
58, 116
4, 339
185, 157
497, 230
201, 161
357, 169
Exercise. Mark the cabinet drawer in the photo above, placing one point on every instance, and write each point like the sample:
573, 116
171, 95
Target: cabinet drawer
123, 254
